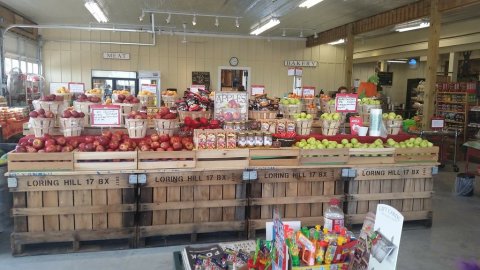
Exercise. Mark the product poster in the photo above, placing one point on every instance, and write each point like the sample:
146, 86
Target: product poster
281, 259
231, 106
355, 122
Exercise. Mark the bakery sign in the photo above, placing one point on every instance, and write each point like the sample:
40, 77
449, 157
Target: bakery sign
116, 55
300, 63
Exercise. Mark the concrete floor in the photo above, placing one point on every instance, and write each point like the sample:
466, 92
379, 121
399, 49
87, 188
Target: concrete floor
453, 236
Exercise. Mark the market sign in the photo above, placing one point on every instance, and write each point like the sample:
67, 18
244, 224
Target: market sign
116, 55
258, 90
231, 106
346, 102
300, 63
105, 115
75, 87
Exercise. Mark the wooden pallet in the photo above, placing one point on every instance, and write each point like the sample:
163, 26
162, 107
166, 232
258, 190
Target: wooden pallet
299, 194
274, 157
427, 154
371, 156
103, 161
408, 189
191, 202
324, 156
166, 160
225, 158
40, 161
72, 208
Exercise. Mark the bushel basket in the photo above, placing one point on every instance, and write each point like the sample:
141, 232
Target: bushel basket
166, 126
137, 128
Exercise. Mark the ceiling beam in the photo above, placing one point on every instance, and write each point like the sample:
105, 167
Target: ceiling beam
410, 12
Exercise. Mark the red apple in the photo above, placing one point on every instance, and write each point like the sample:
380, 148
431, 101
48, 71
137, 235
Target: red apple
74, 143
89, 139
165, 145
160, 149
75, 114
107, 133
67, 148
123, 147
145, 147
113, 145
188, 145
30, 149
49, 142
89, 147
41, 111
66, 114
49, 115
175, 139
61, 141
154, 137
164, 138
103, 140
20, 149
100, 148
58, 148
33, 114
30, 140
186, 140
155, 145
81, 146
169, 149
50, 148
177, 146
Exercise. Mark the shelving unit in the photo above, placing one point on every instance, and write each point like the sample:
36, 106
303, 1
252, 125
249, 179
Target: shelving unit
453, 101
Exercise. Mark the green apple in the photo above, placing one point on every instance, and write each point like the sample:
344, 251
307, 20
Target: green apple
320, 146
378, 142
302, 144
391, 142
409, 144
411, 140
429, 144
325, 141
297, 144
391, 117
396, 145
303, 115
340, 145
331, 146
392, 114
376, 102
424, 144
328, 118
336, 116
354, 141
384, 115
398, 117
309, 116
311, 140
333, 142
344, 141
348, 145
372, 145
303, 140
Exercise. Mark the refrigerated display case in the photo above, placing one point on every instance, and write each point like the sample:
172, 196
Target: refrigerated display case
109, 80
150, 81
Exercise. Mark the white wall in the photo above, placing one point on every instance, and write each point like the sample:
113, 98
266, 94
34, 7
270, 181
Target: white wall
70, 61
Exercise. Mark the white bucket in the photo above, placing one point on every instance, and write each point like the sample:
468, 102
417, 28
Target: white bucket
362, 131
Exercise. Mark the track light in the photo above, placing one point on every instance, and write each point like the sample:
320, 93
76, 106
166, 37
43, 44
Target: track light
169, 17
194, 21
284, 33
315, 35
301, 34
216, 22
237, 24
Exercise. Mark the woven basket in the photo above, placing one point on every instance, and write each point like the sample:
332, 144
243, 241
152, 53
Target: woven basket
193, 115
51, 106
147, 101
169, 100
393, 126
330, 127
137, 128
289, 110
42, 126
261, 115
166, 126
71, 126
303, 127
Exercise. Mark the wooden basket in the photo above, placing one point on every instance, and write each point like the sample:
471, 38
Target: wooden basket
42, 126
71, 126
51, 106
137, 128
193, 115
289, 110
261, 115
393, 126
303, 127
166, 126
148, 101
330, 127
169, 101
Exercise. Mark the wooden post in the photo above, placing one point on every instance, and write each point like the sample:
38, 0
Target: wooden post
349, 55
432, 60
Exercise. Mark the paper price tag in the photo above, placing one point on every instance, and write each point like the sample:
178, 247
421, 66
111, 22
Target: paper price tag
308, 92
195, 87
76, 87
152, 88
105, 115
258, 90
346, 102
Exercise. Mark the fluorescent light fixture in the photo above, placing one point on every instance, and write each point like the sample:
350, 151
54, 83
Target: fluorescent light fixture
237, 24
270, 24
340, 41
309, 3
216, 22
169, 17
419, 24
194, 21
284, 33
397, 61
96, 11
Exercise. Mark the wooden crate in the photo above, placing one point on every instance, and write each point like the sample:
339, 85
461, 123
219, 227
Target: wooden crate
40, 161
427, 154
166, 160
324, 156
103, 161
274, 157
191, 202
222, 158
71, 208
299, 194
371, 155
408, 189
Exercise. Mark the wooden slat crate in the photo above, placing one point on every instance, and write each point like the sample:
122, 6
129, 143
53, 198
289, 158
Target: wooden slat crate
74, 209
166, 160
299, 194
427, 154
408, 189
323, 156
191, 202
40, 161
274, 157
225, 158
371, 156
102, 161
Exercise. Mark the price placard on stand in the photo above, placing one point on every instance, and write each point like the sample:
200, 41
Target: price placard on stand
105, 115
258, 90
76, 87
308, 92
346, 102
152, 88
292, 71
195, 87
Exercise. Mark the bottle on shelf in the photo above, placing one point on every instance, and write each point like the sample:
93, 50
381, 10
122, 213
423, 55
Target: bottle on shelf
333, 216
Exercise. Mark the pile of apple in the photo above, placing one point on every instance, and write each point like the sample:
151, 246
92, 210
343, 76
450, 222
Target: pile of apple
129, 99
312, 143
391, 116
410, 143
200, 123
330, 116
164, 113
302, 116
41, 113
164, 142
72, 114
51, 97
290, 101
47, 144
137, 115
369, 101
85, 98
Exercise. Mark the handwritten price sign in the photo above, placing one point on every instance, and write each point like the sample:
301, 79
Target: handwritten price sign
346, 102
105, 115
